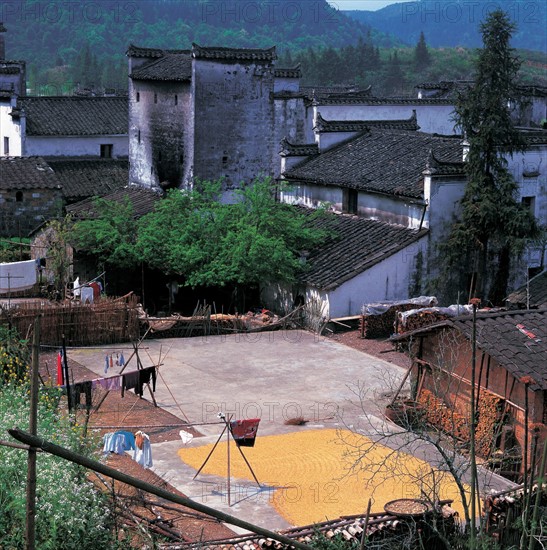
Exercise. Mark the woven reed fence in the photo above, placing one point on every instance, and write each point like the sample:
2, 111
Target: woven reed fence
107, 321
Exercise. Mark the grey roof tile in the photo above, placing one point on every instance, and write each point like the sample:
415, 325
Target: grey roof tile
352, 245
234, 54
142, 201
536, 290
75, 116
27, 173
380, 160
82, 177
170, 67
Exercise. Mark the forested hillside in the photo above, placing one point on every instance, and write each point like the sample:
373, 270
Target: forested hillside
456, 23
82, 43
57, 36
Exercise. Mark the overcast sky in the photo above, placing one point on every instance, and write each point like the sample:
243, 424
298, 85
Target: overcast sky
363, 4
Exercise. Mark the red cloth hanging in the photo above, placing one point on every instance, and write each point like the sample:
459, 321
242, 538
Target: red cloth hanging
244, 431
60, 381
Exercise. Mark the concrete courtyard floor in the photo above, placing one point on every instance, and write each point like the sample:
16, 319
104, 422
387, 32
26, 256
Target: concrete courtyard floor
273, 376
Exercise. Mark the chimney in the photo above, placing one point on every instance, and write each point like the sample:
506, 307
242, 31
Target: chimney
2, 42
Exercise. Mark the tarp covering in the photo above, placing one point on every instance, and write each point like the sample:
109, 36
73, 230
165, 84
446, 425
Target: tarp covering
378, 308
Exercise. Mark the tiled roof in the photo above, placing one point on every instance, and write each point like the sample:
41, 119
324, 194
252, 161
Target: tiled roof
27, 173
238, 54
536, 290
294, 72
9, 68
347, 529
142, 200
348, 99
170, 67
136, 51
352, 245
537, 91
323, 125
382, 161
75, 116
82, 178
517, 340
437, 167
289, 149
534, 136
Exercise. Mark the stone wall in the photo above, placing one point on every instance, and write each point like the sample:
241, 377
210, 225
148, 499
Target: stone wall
159, 137
21, 211
234, 120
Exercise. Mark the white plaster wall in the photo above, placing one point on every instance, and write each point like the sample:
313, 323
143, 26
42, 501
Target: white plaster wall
535, 159
431, 118
326, 140
286, 84
387, 280
369, 205
11, 129
313, 196
73, 146
443, 197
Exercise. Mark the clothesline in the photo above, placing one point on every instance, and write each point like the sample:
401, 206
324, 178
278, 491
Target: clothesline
128, 381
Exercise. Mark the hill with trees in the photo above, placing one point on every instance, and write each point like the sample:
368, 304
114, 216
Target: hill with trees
456, 23
81, 44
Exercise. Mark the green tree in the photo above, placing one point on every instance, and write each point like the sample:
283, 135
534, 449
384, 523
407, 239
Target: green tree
394, 81
181, 234
492, 226
250, 242
109, 233
422, 59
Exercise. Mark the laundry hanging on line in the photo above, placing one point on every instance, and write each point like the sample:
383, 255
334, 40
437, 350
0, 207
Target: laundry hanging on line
76, 390
118, 442
244, 431
16, 276
60, 377
137, 379
143, 450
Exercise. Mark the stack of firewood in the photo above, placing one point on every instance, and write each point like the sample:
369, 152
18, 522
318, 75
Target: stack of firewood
382, 325
419, 318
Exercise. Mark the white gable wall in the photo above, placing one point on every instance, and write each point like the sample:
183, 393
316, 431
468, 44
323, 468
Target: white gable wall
431, 118
387, 280
73, 146
10, 129
390, 279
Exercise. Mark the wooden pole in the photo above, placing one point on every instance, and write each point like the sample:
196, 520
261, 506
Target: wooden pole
67, 381
535, 513
472, 455
365, 525
57, 450
228, 451
30, 532
210, 452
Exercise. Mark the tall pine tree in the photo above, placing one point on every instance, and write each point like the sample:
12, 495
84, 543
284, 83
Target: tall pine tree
493, 225
422, 59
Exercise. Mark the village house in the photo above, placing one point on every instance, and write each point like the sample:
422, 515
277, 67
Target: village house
510, 377
57, 126
531, 295
30, 193
69, 126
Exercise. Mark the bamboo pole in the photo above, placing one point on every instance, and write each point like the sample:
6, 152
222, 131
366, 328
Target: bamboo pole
535, 514
30, 527
57, 450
